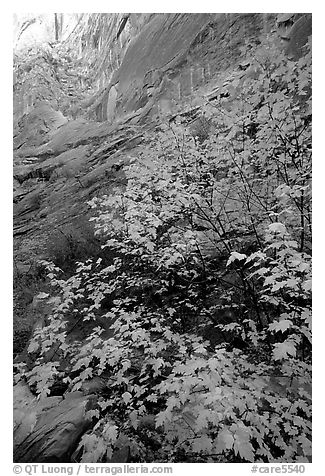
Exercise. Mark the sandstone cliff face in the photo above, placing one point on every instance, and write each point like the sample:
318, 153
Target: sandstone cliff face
157, 62
172, 56
76, 127
145, 62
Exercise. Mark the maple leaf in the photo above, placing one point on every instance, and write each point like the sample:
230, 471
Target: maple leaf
173, 402
235, 256
126, 397
42, 295
306, 445
202, 444
307, 285
277, 228
134, 419
306, 315
225, 441
33, 346
244, 449
284, 350
242, 445
280, 326
110, 432
160, 420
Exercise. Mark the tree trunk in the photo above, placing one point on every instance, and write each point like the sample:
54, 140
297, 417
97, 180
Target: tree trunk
56, 25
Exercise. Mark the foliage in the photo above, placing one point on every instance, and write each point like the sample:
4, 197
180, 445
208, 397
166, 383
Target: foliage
202, 305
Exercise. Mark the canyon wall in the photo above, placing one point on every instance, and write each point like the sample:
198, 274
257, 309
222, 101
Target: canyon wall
146, 62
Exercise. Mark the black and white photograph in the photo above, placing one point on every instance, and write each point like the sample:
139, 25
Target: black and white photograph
162, 241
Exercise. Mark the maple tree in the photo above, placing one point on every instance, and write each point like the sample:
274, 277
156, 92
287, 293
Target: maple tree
205, 286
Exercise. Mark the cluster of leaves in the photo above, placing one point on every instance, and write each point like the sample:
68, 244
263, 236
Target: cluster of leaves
209, 251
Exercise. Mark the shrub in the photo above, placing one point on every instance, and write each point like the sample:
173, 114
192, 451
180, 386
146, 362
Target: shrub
200, 226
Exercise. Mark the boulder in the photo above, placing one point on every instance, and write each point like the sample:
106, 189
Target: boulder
35, 128
299, 34
48, 430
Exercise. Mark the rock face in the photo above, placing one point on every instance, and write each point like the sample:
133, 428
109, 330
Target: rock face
146, 68
36, 127
300, 31
172, 56
162, 61
49, 430
294, 29
153, 62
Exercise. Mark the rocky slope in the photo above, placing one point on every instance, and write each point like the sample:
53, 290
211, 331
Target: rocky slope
134, 72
